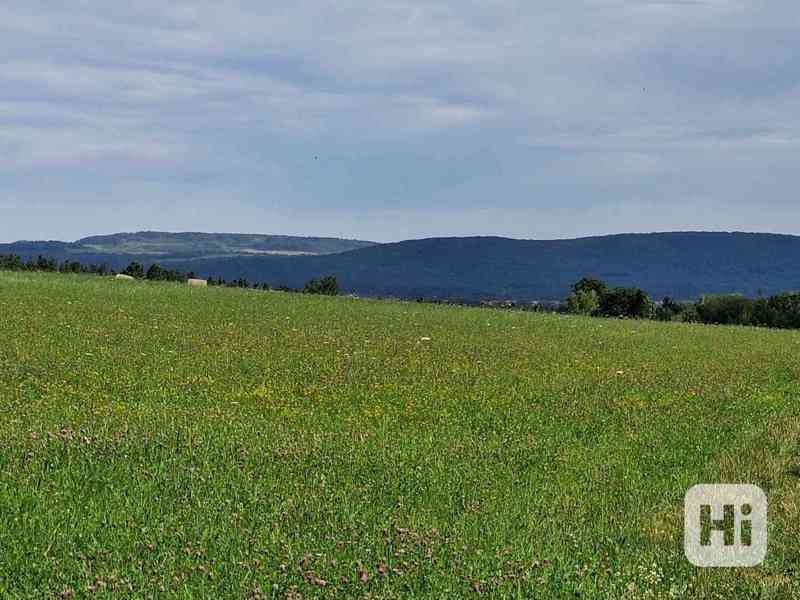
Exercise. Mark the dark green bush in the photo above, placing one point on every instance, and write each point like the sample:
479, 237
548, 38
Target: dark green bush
632, 303
726, 310
326, 286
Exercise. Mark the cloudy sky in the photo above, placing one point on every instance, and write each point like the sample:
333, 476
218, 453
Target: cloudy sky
394, 119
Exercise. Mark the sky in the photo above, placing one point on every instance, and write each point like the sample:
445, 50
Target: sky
390, 119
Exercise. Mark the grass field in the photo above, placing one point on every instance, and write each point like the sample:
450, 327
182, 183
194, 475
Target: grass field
159, 441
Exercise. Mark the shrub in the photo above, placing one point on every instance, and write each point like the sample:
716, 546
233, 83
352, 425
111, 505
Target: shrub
326, 286
689, 314
671, 310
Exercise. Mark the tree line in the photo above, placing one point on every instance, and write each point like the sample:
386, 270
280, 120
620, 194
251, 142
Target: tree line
588, 297
327, 286
12, 262
593, 297
323, 286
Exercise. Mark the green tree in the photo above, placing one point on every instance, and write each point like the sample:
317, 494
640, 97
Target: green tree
590, 284
784, 311
154, 273
632, 303
671, 310
134, 270
44, 263
583, 302
326, 286
726, 310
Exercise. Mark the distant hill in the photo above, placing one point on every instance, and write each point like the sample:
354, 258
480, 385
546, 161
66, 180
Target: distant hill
154, 243
119, 249
682, 265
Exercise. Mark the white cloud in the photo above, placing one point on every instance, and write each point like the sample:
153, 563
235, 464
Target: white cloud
30, 147
580, 104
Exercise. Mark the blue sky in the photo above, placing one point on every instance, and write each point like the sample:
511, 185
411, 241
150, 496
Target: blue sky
389, 120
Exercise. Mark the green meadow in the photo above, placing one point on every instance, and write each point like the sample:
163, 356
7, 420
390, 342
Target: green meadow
158, 441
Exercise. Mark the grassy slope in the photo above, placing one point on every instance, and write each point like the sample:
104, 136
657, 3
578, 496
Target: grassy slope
224, 443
